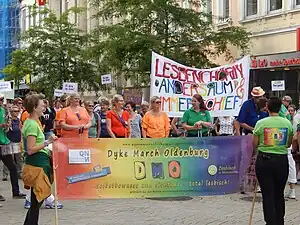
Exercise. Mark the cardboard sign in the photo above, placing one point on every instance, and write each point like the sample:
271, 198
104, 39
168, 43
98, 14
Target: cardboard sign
5, 86
70, 88
278, 85
133, 95
58, 92
106, 79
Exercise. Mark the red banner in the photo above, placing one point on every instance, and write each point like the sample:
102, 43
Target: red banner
41, 2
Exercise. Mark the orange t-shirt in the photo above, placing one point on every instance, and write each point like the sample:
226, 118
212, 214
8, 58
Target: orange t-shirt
156, 126
25, 115
57, 119
69, 117
116, 125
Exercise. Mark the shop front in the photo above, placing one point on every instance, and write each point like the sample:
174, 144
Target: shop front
277, 74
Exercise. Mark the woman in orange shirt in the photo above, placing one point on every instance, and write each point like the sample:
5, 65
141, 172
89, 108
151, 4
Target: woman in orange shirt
74, 120
117, 119
156, 124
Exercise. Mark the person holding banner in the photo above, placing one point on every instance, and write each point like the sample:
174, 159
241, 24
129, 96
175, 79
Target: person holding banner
37, 170
271, 137
155, 124
197, 119
74, 120
95, 128
135, 120
117, 119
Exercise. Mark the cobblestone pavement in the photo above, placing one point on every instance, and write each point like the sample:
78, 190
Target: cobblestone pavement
213, 210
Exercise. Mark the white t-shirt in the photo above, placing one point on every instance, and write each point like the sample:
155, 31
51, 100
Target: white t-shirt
226, 125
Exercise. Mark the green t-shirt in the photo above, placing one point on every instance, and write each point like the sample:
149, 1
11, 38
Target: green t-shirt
285, 113
190, 117
3, 137
274, 133
41, 158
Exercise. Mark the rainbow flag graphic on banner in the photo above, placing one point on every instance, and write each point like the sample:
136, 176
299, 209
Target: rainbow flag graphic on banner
139, 168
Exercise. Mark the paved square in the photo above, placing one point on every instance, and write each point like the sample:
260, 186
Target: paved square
213, 210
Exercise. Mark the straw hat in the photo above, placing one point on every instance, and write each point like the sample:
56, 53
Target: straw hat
257, 92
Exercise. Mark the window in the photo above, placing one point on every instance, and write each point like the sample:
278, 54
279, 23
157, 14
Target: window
186, 4
297, 2
275, 5
226, 8
60, 7
23, 22
251, 7
208, 6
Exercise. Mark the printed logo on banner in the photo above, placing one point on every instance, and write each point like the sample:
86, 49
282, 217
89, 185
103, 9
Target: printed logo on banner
224, 89
79, 156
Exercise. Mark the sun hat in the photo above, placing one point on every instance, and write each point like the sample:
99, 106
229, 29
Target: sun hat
257, 92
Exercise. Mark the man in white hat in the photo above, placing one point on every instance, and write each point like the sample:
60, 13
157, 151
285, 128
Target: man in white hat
6, 153
248, 115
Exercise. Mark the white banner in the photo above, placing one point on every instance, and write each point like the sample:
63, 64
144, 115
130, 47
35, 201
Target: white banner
106, 79
58, 92
5, 86
70, 88
175, 84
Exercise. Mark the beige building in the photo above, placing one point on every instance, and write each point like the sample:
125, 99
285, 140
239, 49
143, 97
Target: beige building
275, 40
273, 24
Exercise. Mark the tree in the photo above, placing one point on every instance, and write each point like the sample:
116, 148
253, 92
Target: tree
18, 68
185, 35
57, 51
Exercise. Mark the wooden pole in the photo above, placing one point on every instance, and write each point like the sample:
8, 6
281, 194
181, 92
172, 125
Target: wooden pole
55, 195
253, 203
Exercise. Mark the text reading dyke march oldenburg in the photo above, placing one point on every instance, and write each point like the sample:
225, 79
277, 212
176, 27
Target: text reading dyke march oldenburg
138, 168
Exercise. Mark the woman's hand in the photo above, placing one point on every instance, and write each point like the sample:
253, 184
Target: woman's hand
198, 125
52, 138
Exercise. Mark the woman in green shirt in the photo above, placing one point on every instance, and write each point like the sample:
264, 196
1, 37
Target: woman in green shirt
35, 153
196, 120
272, 138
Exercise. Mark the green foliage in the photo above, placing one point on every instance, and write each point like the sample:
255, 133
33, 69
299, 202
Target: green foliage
18, 68
184, 35
57, 51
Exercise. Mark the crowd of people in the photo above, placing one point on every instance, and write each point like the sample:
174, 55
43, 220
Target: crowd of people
34, 123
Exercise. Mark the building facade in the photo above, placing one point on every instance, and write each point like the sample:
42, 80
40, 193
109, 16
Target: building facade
275, 40
9, 30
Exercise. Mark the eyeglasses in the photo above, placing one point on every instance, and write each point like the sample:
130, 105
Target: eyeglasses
78, 116
64, 100
157, 102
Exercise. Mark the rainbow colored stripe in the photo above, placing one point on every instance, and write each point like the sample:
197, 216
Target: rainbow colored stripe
139, 168
275, 136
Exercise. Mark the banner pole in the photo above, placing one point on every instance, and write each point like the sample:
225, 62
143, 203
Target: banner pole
55, 195
253, 203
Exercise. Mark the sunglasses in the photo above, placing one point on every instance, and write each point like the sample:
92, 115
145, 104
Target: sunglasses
16, 111
63, 100
91, 105
157, 102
